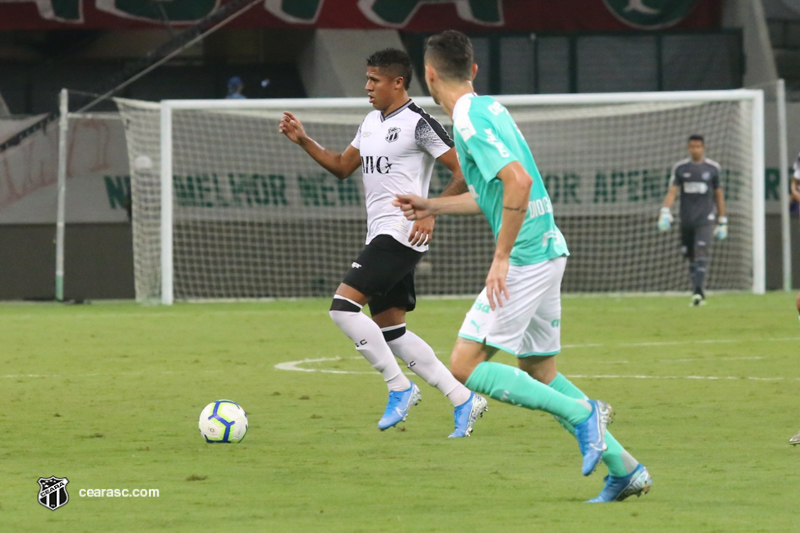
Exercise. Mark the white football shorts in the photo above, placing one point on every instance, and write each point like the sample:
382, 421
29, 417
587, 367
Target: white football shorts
529, 323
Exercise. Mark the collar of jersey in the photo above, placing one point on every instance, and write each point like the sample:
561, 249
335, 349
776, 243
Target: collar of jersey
464, 100
396, 111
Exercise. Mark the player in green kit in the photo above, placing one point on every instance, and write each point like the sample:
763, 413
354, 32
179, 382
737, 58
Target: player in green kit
519, 310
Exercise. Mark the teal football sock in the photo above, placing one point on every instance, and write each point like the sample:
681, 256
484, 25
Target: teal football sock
620, 463
511, 385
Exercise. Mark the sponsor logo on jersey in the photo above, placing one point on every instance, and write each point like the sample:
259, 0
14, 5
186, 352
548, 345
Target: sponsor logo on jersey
695, 187
650, 14
372, 165
539, 207
392, 134
496, 108
555, 235
494, 141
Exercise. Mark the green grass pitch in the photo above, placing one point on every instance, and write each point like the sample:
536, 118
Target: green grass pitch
108, 395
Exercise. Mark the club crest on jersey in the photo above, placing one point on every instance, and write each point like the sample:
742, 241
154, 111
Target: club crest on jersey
392, 134
706, 176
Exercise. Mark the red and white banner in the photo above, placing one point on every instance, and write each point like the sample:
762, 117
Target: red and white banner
409, 15
97, 173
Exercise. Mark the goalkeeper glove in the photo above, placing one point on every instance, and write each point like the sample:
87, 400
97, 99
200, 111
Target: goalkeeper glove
721, 231
664, 219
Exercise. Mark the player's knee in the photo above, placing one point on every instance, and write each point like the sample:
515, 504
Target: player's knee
798, 302
460, 370
342, 309
393, 333
463, 361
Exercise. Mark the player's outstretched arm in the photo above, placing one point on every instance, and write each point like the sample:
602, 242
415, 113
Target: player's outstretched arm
340, 165
416, 207
422, 230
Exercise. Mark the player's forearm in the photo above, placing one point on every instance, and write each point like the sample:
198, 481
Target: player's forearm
455, 186
720, 203
516, 193
462, 204
669, 199
796, 189
327, 159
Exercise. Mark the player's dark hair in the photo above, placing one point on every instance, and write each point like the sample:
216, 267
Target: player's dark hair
393, 62
696, 137
450, 53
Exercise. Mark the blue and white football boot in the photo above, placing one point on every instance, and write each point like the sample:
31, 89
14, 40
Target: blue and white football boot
467, 413
400, 402
617, 489
591, 434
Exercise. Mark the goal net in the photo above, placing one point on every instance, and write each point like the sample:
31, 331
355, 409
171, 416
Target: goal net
225, 207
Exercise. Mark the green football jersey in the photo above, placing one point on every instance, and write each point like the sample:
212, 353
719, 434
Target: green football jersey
487, 139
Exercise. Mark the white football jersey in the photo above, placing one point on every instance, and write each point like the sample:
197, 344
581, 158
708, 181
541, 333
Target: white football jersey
397, 156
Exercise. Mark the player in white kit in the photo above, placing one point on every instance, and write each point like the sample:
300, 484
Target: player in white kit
396, 147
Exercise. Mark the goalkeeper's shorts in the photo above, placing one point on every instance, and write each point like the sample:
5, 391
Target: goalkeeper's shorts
529, 323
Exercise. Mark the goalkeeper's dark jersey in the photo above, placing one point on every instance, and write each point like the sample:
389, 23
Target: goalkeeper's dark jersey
698, 183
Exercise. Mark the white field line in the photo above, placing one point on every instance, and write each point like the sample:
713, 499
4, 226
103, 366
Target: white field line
668, 343
298, 366
681, 343
295, 365
101, 374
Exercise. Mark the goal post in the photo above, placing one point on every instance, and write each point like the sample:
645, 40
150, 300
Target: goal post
90, 149
225, 207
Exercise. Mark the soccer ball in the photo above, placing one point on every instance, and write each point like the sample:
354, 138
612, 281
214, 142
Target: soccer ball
223, 421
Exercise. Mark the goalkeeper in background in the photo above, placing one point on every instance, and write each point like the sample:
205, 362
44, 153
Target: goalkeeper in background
702, 203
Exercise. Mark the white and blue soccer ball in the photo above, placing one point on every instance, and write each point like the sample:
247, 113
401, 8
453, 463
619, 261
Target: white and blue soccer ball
223, 421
